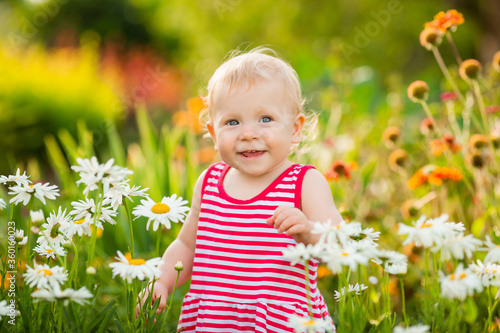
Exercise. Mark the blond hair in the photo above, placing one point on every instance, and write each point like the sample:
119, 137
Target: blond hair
245, 69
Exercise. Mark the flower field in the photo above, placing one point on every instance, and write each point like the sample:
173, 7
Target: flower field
418, 251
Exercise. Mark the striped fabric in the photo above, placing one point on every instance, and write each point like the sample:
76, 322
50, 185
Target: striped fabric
240, 281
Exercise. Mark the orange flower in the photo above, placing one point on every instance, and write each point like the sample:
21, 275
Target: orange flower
191, 117
340, 169
447, 141
437, 147
439, 174
496, 61
417, 180
207, 155
323, 271
444, 21
451, 143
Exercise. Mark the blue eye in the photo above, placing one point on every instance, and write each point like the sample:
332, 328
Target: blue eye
266, 119
232, 122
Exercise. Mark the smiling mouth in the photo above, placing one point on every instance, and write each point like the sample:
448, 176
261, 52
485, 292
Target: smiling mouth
252, 153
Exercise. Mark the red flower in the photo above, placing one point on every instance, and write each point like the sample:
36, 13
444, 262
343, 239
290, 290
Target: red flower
448, 96
340, 169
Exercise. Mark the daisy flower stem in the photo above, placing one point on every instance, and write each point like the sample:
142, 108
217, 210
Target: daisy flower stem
94, 228
387, 295
426, 274
127, 209
447, 74
28, 242
75, 265
158, 243
453, 47
60, 316
11, 212
172, 294
403, 304
308, 290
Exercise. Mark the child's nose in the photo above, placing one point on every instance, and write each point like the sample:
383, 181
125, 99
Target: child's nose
248, 132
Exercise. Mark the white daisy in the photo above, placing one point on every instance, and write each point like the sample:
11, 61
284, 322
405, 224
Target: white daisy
412, 329
170, 209
86, 209
44, 276
37, 216
393, 262
428, 233
458, 247
54, 232
136, 268
20, 238
80, 227
6, 310
55, 293
355, 289
489, 273
309, 325
92, 173
18, 179
493, 249
3, 204
114, 196
301, 253
50, 250
460, 284
359, 235
41, 191
337, 257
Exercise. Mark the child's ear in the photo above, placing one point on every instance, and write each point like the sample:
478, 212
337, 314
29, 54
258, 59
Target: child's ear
298, 125
210, 128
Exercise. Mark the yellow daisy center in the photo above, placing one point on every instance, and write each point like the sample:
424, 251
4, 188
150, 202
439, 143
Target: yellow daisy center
345, 254
45, 272
49, 250
160, 208
136, 262
79, 222
308, 323
426, 225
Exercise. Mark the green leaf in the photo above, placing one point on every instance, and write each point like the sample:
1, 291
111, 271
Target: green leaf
470, 311
69, 144
59, 163
115, 144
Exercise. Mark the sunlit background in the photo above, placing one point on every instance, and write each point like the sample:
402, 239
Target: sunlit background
64, 60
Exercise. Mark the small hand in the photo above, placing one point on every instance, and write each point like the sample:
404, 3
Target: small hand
291, 221
159, 290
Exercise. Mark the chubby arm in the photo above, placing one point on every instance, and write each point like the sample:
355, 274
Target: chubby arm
316, 206
181, 249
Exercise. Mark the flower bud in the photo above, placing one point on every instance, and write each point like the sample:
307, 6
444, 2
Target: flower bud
430, 37
391, 135
68, 245
91, 270
179, 267
408, 209
418, 91
478, 141
398, 158
470, 69
426, 126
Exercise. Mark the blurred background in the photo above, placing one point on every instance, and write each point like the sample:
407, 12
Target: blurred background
62, 61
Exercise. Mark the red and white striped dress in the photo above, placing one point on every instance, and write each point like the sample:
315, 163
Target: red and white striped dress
240, 281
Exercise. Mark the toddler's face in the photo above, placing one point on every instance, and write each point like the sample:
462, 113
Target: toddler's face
253, 129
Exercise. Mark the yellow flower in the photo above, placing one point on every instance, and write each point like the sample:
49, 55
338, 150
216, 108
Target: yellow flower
478, 141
